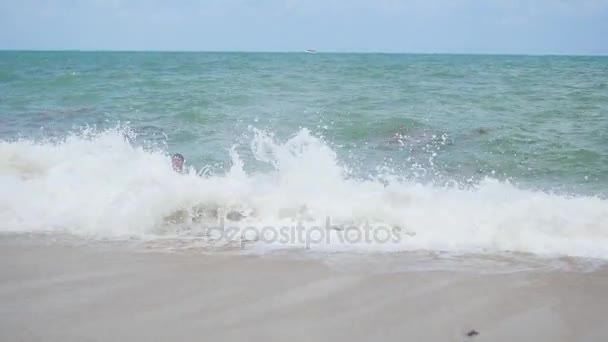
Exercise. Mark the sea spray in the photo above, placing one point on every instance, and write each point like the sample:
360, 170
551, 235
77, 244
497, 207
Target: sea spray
100, 185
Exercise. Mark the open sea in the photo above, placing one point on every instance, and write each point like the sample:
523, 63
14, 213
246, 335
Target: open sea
365, 152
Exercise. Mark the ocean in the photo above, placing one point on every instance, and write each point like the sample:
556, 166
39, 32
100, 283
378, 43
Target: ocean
458, 154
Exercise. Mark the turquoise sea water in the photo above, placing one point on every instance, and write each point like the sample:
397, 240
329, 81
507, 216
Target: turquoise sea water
454, 152
541, 121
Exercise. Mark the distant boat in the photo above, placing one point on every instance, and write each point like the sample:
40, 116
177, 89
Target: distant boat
311, 51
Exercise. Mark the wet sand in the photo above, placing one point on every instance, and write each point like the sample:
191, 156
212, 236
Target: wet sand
58, 292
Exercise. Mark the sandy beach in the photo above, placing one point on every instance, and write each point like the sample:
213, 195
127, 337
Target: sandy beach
62, 292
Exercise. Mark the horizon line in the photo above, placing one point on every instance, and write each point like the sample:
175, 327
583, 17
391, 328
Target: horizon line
305, 51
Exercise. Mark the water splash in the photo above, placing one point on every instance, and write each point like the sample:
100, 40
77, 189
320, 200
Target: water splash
99, 184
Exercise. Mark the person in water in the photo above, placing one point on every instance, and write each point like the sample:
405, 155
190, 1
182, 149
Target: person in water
177, 161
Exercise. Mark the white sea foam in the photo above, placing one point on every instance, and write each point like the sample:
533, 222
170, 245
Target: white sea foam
99, 185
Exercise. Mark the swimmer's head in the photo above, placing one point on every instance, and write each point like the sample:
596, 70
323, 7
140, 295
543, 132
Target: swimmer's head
177, 161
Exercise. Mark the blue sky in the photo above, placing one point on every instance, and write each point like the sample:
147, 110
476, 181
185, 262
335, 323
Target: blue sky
452, 26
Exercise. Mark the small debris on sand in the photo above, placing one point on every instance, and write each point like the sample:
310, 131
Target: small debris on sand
472, 333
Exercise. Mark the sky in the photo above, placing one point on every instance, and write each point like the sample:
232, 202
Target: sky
416, 26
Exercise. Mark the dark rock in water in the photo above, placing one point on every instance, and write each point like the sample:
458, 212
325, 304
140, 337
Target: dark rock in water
235, 216
201, 213
482, 130
472, 333
177, 217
